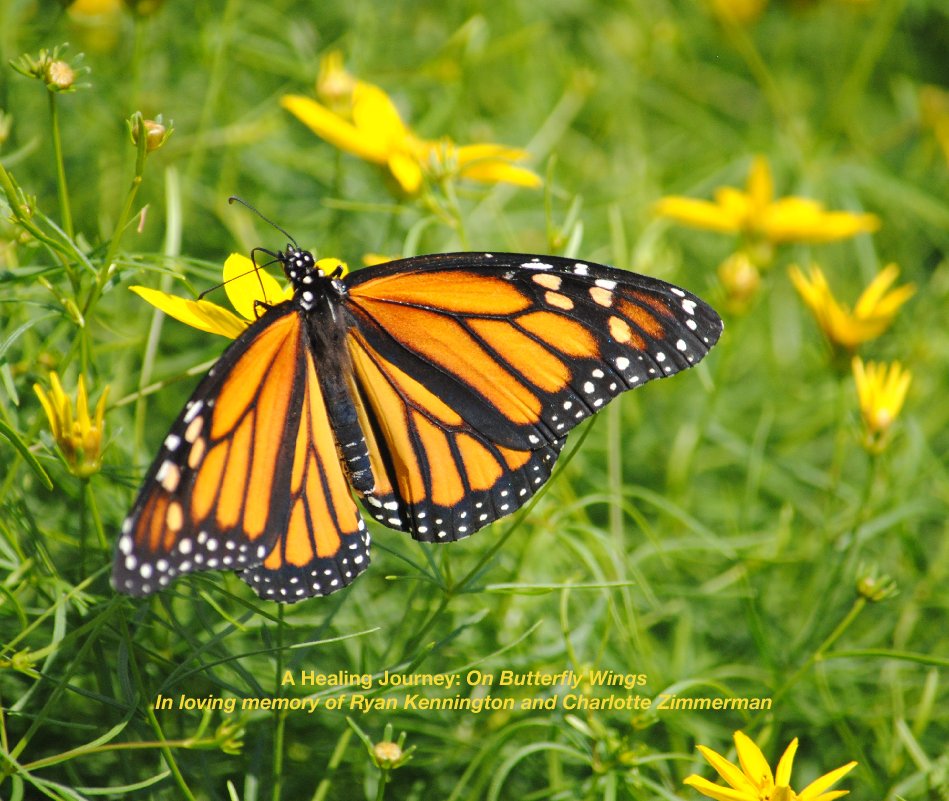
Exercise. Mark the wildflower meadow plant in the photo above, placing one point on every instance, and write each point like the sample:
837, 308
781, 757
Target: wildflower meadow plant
753, 780
364, 122
871, 316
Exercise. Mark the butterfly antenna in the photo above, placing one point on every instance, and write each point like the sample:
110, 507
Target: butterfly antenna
267, 220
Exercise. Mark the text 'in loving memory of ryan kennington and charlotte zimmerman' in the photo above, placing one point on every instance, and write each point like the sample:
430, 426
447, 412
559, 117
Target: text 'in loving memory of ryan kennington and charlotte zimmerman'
474, 691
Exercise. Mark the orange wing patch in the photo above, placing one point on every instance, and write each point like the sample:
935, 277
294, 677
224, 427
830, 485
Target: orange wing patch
249, 478
437, 479
326, 544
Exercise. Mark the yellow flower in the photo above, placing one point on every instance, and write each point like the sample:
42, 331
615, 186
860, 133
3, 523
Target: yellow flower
91, 8
756, 214
754, 781
78, 435
371, 129
247, 287
881, 391
334, 85
743, 12
872, 315
741, 279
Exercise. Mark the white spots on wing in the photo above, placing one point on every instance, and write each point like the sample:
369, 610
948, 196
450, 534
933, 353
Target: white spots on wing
548, 281
536, 264
620, 330
194, 407
559, 301
689, 306
581, 269
168, 476
621, 362
172, 441
193, 429
602, 297
680, 345
692, 325
605, 283
196, 454
174, 517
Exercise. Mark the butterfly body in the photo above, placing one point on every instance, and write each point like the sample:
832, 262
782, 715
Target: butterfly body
439, 389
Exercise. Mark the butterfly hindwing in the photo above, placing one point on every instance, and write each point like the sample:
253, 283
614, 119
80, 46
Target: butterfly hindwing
436, 476
234, 471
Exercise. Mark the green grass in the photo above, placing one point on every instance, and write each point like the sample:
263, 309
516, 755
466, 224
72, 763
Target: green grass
708, 531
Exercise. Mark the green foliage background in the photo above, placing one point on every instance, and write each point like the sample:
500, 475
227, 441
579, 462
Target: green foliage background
709, 533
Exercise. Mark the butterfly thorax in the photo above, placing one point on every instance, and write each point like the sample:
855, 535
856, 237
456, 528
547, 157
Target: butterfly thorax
319, 297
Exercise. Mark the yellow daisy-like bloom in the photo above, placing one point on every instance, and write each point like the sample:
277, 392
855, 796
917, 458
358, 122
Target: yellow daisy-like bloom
247, 287
741, 280
754, 212
91, 8
873, 314
743, 12
881, 391
334, 85
78, 435
370, 128
754, 781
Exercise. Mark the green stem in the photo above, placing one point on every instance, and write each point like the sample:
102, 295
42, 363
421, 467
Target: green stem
23, 214
165, 746
336, 759
281, 721
106, 267
835, 635
60, 167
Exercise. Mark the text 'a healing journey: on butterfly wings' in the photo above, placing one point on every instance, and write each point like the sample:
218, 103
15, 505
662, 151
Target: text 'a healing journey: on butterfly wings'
437, 389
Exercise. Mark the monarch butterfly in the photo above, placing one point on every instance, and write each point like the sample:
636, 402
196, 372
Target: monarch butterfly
439, 389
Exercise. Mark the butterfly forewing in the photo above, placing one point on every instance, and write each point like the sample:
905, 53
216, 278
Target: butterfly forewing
233, 484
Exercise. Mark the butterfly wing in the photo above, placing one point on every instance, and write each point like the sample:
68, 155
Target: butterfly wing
248, 478
470, 370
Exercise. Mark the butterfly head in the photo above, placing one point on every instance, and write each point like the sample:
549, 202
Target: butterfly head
299, 266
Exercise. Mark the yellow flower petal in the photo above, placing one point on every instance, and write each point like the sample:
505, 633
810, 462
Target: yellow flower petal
501, 172
753, 763
698, 213
730, 772
406, 171
82, 405
816, 788
377, 118
831, 795
247, 285
716, 791
760, 184
329, 266
799, 219
334, 129
874, 299
782, 775
200, 314
49, 407
487, 151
